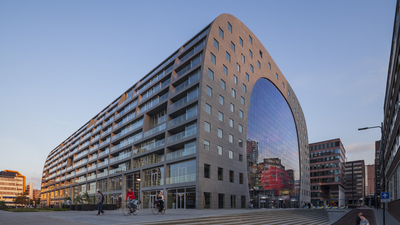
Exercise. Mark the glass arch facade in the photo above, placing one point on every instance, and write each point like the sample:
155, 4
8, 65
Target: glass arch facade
273, 164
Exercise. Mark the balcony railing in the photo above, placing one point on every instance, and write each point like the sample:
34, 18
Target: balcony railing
126, 109
125, 120
93, 157
103, 163
94, 148
185, 84
182, 118
95, 139
147, 160
181, 153
121, 157
196, 61
154, 130
80, 171
108, 122
181, 135
82, 179
81, 154
156, 88
69, 168
91, 178
149, 147
153, 102
107, 141
103, 174
80, 163
196, 39
117, 170
127, 141
128, 129
194, 50
181, 179
184, 100
94, 166
70, 175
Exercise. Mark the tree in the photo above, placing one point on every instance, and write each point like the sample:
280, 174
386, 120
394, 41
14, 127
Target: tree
78, 199
2, 203
87, 198
21, 199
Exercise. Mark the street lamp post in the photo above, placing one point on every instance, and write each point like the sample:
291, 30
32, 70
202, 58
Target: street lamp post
139, 189
383, 165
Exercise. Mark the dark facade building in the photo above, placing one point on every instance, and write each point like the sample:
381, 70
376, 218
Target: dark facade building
327, 159
188, 126
370, 185
377, 173
389, 155
355, 182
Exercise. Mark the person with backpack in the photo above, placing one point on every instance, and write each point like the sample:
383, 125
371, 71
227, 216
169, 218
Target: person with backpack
100, 200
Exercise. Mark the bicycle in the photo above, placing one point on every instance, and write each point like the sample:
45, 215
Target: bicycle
127, 210
249, 205
155, 208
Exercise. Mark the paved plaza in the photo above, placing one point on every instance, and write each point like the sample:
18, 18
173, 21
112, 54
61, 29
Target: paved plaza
194, 217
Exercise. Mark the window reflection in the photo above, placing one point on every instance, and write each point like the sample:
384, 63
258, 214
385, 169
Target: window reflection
272, 149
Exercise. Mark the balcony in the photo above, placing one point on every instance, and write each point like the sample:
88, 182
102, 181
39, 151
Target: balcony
107, 141
108, 122
196, 61
106, 132
103, 163
125, 120
64, 164
182, 118
69, 168
191, 95
117, 170
80, 163
95, 139
181, 153
104, 153
196, 39
153, 102
80, 171
128, 129
103, 174
70, 175
156, 88
93, 157
155, 130
120, 157
149, 147
94, 148
147, 160
94, 166
81, 154
193, 78
91, 178
126, 109
182, 135
194, 50
97, 129
82, 179
63, 171
181, 179
127, 141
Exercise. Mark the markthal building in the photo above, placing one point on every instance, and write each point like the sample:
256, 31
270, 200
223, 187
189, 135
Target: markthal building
212, 126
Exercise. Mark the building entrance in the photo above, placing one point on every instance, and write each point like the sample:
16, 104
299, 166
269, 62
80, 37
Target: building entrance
181, 198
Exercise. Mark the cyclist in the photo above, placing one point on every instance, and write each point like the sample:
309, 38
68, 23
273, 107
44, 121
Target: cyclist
160, 201
251, 203
130, 196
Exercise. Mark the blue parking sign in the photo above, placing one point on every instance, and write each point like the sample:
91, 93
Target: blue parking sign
385, 196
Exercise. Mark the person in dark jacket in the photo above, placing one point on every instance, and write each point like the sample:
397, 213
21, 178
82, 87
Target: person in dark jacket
100, 200
358, 219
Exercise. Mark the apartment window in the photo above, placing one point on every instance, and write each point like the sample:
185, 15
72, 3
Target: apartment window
283, 85
228, 57
230, 154
250, 39
235, 79
221, 201
229, 27
219, 150
207, 126
232, 107
276, 76
259, 64
250, 54
219, 133
231, 176
207, 170
260, 54
208, 108
221, 100
293, 99
230, 138
240, 178
223, 84
213, 59
247, 77
251, 68
211, 74
240, 128
238, 67
209, 91
233, 47
244, 88
216, 44
243, 58
221, 33
242, 100
240, 157
221, 116
206, 145
240, 143
269, 65
288, 93
220, 173
233, 93
225, 69
241, 41
241, 114
230, 122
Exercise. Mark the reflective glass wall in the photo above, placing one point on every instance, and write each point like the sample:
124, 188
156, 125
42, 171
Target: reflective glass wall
272, 149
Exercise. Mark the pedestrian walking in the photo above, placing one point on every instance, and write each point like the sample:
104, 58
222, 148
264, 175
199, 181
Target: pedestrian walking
100, 200
364, 221
358, 219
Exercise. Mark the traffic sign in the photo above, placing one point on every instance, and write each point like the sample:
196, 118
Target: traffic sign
385, 196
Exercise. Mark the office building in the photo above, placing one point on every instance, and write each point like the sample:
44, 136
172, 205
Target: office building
183, 129
29, 190
36, 194
377, 173
370, 185
327, 159
355, 182
12, 183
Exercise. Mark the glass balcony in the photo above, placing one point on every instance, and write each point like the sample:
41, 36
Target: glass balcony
147, 160
126, 109
104, 153
103, 174
97, 129
128, 129
95, 139
127, 141
108, 122
194, 50
125, 120
69, 168
191, 95
181, 135
107, 141
79, 163
196, 39
94, 166
196, 61
185, 84
182, 118
181, 179
70, 175
62, 178
81, 154
91, 178
154, 90
94, 148
64, 170
82, 179
153, 102
155, 130
103, 163
149, 147
93, 157
117, 170
80, 171
121, 157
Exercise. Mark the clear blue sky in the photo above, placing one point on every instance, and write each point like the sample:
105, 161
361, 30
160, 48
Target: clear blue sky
61, 62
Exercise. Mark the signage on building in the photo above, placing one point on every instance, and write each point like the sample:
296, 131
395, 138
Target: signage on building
385, 196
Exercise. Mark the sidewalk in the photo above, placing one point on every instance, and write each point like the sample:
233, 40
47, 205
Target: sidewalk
390, 220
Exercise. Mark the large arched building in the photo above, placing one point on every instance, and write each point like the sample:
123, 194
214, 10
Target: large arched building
212, 126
